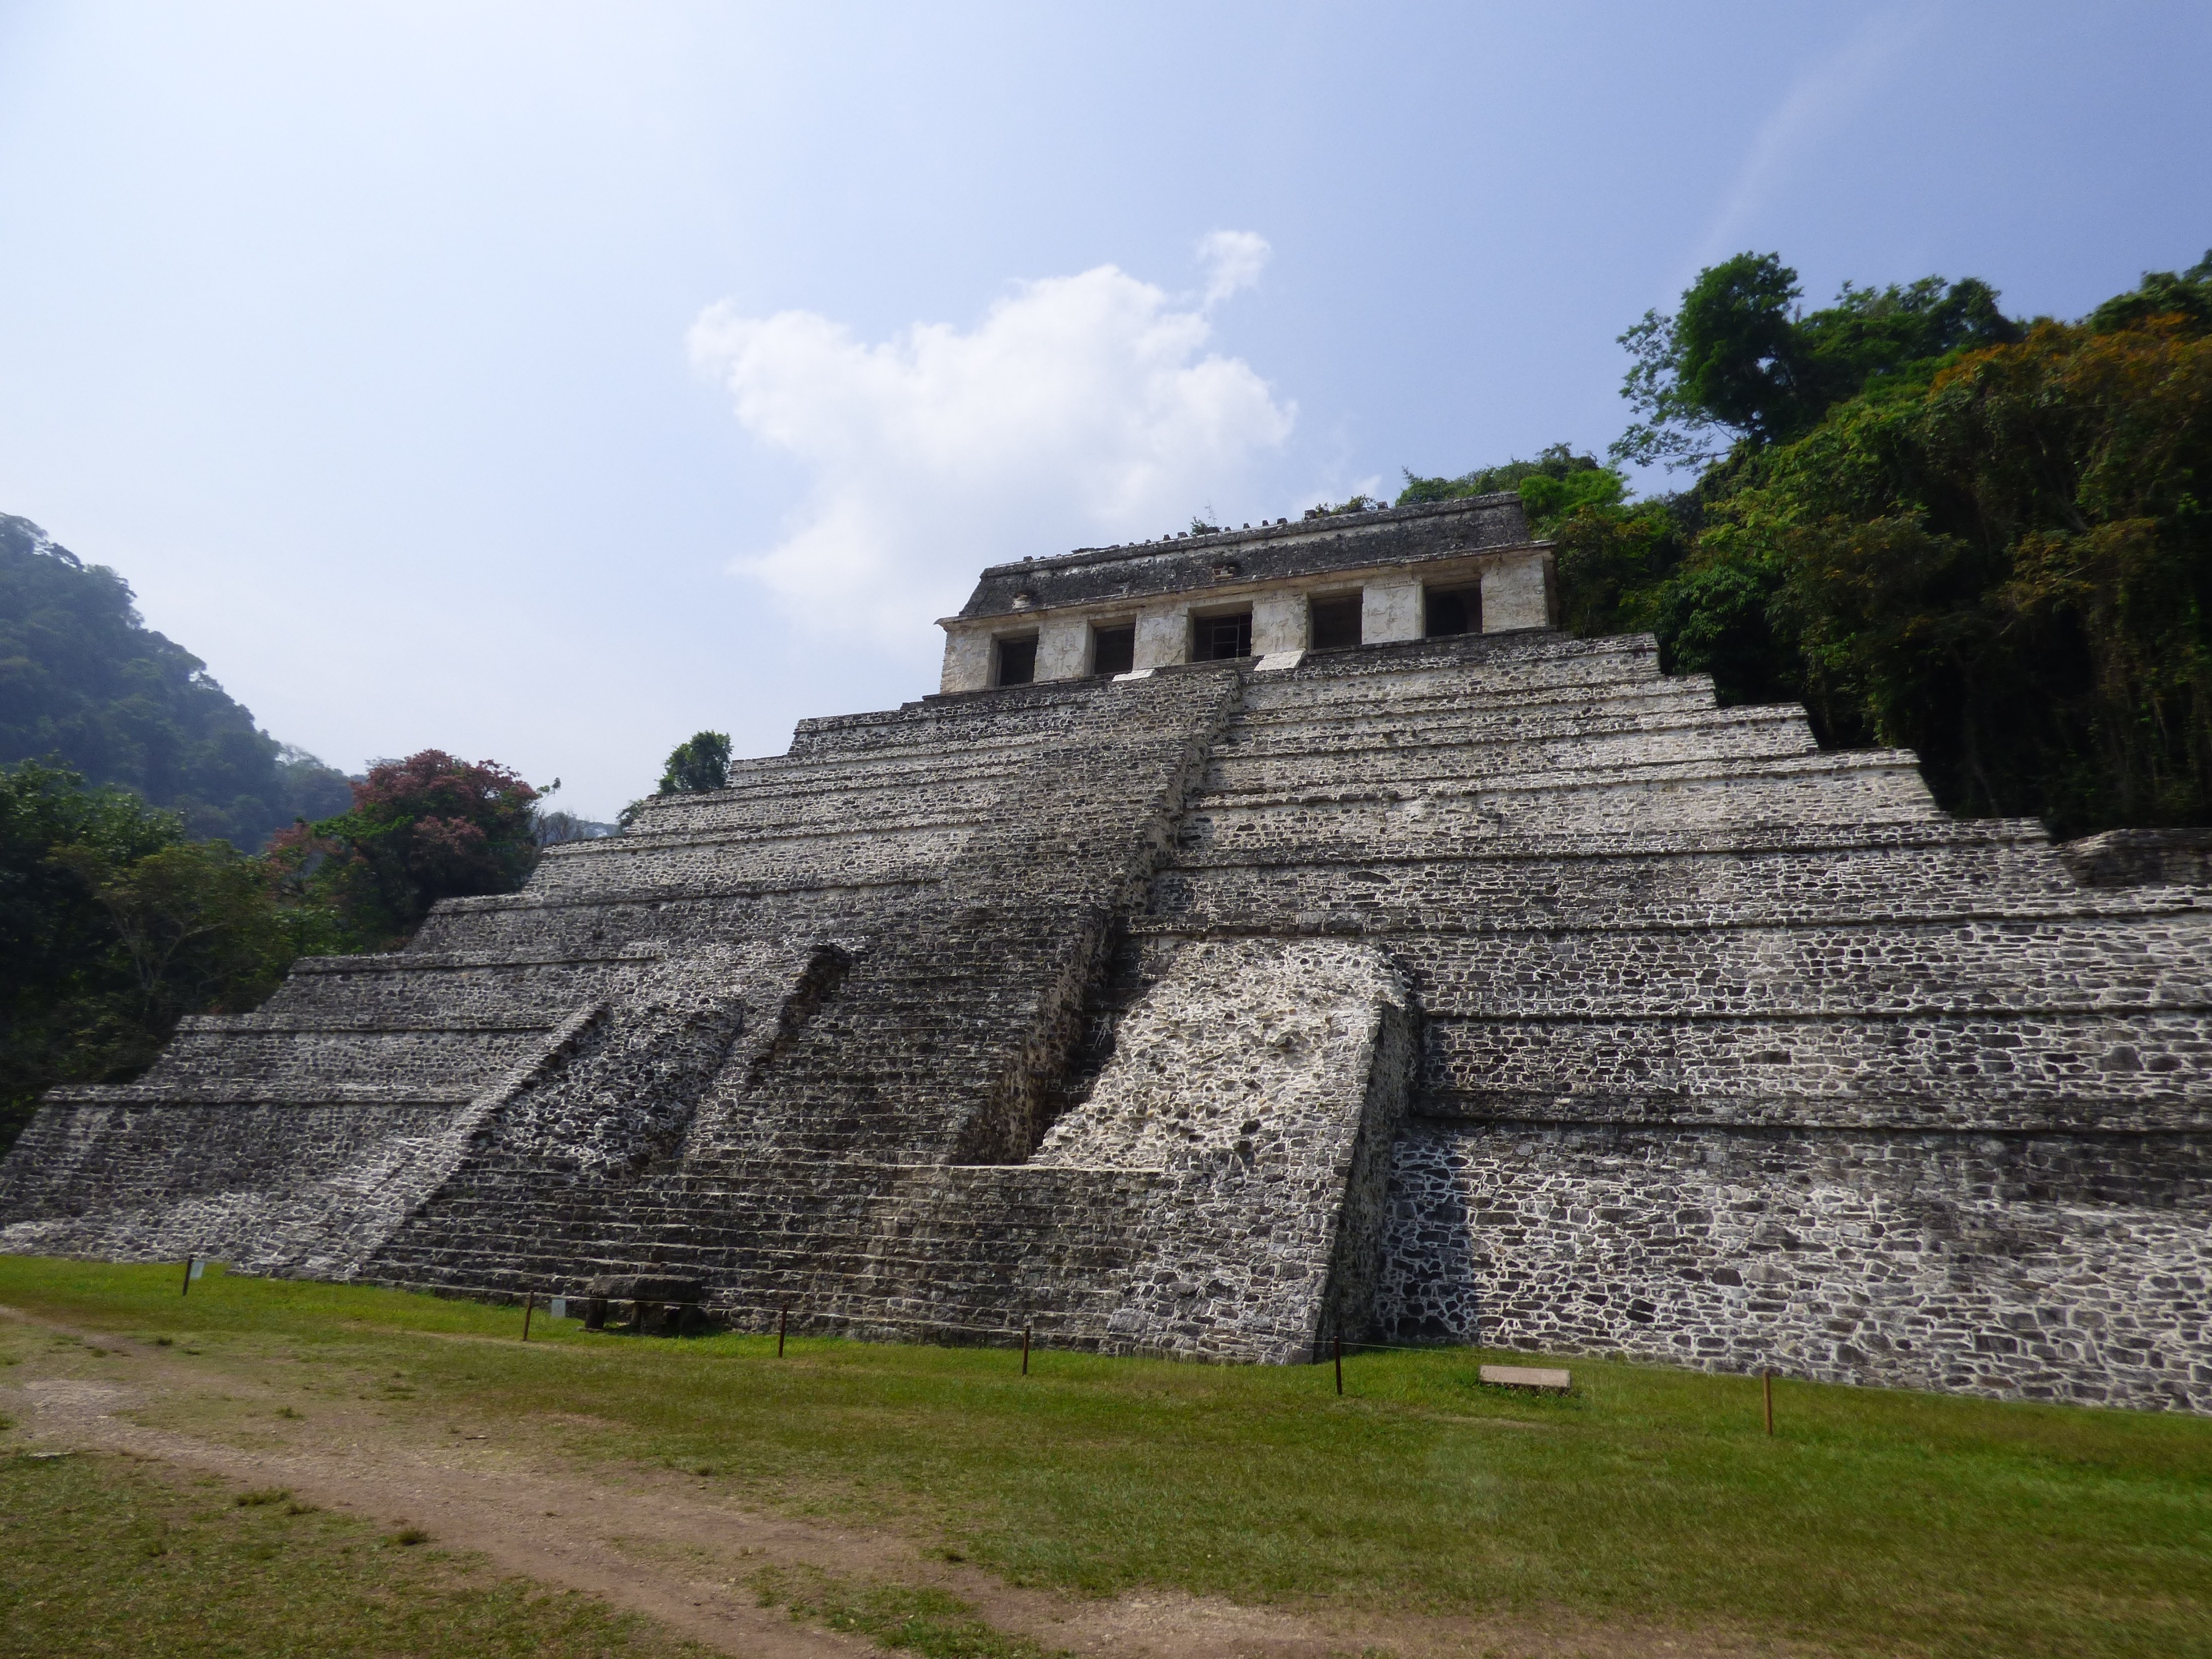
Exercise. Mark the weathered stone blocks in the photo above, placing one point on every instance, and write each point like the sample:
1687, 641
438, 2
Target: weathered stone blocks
1494, 988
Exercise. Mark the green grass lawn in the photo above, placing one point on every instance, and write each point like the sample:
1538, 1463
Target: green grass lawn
101, 1556
1873, 1520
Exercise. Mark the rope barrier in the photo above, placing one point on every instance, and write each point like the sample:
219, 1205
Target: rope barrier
1011, 1336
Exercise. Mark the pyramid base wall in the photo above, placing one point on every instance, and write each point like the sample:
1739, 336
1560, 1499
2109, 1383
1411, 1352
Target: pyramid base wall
2062, 1267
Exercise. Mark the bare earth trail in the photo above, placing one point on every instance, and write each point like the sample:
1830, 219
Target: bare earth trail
653, 1543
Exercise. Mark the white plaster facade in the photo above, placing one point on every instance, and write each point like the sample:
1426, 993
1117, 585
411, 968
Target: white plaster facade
1278, 623
1163, 637
1389, 609
1063, 647
1517, 583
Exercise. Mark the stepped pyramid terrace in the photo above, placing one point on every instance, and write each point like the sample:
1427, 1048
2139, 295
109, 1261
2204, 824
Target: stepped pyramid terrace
1260, 939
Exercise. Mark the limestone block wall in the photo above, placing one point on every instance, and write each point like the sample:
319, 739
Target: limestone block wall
270, 1181
2067, 1267
301, 1137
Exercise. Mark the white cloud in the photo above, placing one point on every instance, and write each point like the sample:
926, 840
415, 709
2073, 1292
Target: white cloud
1082, 409
1233, 261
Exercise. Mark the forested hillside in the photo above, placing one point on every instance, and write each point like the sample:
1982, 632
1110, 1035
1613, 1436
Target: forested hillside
85, 684
1986, 540
161, 856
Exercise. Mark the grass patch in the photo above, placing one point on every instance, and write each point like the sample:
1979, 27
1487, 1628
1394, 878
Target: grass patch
1874, 1522
904, 1617
102, 1556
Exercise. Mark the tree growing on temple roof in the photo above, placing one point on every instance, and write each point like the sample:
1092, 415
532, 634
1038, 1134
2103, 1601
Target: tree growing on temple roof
700, 763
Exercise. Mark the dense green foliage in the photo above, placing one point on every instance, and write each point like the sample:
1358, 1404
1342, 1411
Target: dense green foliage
114, 923
699, 763
1939, 528
1740, 357
420, 830
84, 683
1650, 1501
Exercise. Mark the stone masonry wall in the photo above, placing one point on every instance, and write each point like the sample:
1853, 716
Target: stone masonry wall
2050, 1268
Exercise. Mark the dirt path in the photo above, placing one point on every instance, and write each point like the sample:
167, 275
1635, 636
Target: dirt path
652, 1544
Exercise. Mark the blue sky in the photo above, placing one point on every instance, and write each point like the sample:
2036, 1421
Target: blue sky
545, 382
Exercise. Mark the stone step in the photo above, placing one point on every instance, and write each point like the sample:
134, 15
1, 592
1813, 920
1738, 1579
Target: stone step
1449, 718
1025, 713
2125, 1136
860, 795
679, 917
305, 1064
355, 1018
912, 767
398, 992
1982, 967
1877, 786
245, 1092
904, 851
1363, 702
1233, 768
1931, 1054
1837, 872
821, 821
1345, 680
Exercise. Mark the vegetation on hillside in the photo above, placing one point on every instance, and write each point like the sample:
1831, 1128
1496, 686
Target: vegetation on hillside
114, 922
85, 685
1938, 527
129, 782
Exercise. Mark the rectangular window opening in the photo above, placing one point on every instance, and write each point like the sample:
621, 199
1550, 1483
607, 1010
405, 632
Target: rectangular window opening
1453, 611
1018, 661
1335, 622
1221, 639
1113, 650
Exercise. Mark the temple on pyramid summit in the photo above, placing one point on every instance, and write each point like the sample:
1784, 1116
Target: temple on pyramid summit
1261, 939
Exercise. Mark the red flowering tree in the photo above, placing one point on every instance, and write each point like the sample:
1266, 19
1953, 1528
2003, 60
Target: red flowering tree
420, 830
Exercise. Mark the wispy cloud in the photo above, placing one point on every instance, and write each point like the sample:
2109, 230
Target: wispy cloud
1817, 103
1080, 409
1233, 261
